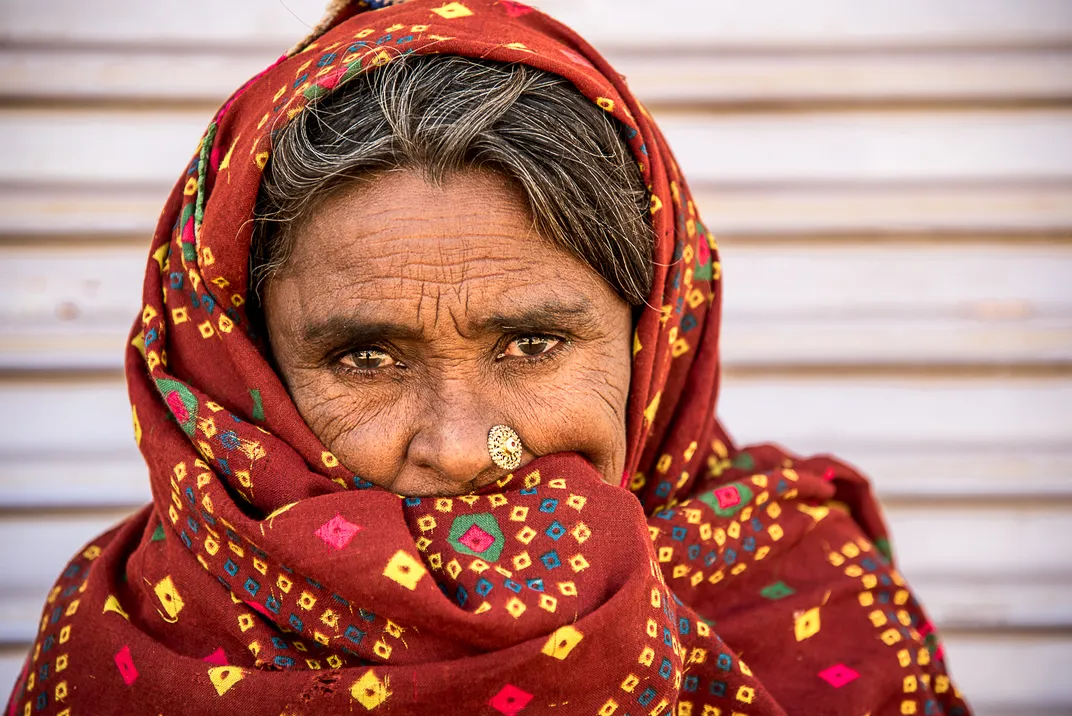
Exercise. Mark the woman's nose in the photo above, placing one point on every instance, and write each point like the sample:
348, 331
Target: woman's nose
453, 439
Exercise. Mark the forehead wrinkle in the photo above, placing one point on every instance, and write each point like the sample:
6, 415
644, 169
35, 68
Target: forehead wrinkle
436, 299
457, 277
453, 260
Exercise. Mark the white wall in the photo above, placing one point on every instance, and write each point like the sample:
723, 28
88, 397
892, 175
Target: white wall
891, 182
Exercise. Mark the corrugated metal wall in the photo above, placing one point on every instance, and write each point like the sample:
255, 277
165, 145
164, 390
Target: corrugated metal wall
892, 185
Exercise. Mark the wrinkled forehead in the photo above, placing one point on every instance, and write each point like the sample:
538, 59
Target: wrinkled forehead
461, 253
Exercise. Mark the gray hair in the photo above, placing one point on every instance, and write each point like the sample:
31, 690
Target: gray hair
445, 113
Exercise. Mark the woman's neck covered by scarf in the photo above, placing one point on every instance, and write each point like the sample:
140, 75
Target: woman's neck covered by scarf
266, 578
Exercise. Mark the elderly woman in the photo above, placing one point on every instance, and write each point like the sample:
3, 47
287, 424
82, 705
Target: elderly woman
425, 380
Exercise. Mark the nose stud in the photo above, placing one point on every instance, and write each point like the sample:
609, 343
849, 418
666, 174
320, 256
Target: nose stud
504, 446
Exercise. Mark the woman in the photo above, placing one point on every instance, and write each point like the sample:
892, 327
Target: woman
425, 380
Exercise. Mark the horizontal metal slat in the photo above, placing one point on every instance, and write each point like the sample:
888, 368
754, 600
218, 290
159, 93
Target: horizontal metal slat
72, 307
805, 413
947, 557
904, 473
123, 147
679, 23
84, 213
1001, 674
704, 77
917, 438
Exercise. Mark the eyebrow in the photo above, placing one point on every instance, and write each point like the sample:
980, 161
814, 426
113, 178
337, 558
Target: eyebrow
545, 317
549, 316
352, 330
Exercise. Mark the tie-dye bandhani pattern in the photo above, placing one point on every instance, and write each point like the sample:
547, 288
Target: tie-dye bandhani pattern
265, 578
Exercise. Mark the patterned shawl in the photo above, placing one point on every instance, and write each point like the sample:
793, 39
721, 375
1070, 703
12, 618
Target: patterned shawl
265, 578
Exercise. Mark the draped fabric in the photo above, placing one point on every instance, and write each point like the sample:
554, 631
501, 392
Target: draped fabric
266, 578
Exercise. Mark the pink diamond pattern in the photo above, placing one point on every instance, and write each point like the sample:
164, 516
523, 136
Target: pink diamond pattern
703, 252
510, 700
125, 663
476, 539
338, 531
217, 657
728, 496
838, 675
174, 401
515, 9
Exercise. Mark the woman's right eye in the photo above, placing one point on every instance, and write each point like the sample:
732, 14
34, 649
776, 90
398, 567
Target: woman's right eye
367, 359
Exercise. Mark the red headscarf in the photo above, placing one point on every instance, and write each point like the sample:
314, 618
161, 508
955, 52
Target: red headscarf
266, 578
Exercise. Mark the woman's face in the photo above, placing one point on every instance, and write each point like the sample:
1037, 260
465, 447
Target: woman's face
412, 318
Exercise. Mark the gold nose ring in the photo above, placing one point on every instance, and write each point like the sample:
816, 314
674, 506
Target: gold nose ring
504, 445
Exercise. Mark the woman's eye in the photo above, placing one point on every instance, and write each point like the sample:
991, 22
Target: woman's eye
528, 346
367, 359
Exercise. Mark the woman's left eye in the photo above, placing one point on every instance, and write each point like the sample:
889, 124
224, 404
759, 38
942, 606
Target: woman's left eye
367, 359
530, 346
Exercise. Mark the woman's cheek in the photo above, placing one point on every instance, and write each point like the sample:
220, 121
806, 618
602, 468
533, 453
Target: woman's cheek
583, 412
371, 439
335, 411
